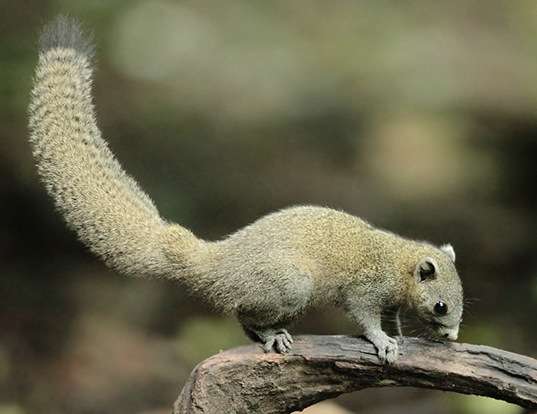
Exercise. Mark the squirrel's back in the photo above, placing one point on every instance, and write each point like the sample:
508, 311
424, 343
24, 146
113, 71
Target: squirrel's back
328, 246
319, 233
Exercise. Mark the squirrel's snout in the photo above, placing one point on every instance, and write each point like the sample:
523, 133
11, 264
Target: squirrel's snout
451, 334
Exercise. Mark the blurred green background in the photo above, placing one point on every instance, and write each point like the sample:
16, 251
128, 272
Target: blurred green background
419, 116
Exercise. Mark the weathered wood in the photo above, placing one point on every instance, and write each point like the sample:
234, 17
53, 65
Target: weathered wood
245, 380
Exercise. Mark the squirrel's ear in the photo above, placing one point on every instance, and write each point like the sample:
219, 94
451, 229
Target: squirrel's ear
425, 270
449, 250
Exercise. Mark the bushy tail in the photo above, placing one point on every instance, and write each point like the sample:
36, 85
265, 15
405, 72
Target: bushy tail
105, 206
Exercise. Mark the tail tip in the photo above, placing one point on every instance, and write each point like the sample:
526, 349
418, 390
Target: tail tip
67, 33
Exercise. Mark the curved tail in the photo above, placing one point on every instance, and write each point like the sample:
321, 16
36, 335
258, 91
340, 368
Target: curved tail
105, 206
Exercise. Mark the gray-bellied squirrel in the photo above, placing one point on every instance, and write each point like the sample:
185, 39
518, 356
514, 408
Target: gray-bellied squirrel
268, 273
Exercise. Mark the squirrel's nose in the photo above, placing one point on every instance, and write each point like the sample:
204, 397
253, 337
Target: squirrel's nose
451, 334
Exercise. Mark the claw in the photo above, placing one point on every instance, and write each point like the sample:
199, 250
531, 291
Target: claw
269, 344
286, 342
382, 354
280, 345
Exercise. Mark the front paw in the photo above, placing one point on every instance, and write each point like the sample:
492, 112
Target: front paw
387, 348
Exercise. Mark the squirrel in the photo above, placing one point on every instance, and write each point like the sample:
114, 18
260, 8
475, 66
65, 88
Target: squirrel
266, 274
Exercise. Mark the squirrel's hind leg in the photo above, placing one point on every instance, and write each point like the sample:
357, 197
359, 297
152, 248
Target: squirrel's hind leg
283, 301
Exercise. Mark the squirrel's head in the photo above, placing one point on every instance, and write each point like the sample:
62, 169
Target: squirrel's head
437, 293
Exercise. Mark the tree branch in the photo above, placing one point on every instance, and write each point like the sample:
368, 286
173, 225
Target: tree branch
245, 380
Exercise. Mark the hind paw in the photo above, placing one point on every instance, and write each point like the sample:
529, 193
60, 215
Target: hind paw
280, 341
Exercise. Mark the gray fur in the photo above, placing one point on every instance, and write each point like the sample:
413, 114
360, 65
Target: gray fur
67, 33
268, 273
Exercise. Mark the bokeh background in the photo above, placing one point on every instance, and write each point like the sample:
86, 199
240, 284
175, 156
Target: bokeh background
419, 116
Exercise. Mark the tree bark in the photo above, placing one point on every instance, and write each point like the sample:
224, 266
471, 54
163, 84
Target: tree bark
246, 380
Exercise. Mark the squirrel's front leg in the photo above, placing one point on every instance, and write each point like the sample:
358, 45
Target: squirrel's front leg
368, 317
387, 348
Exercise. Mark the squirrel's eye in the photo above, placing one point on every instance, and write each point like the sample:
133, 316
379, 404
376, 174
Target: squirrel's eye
427, 271
440, 308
